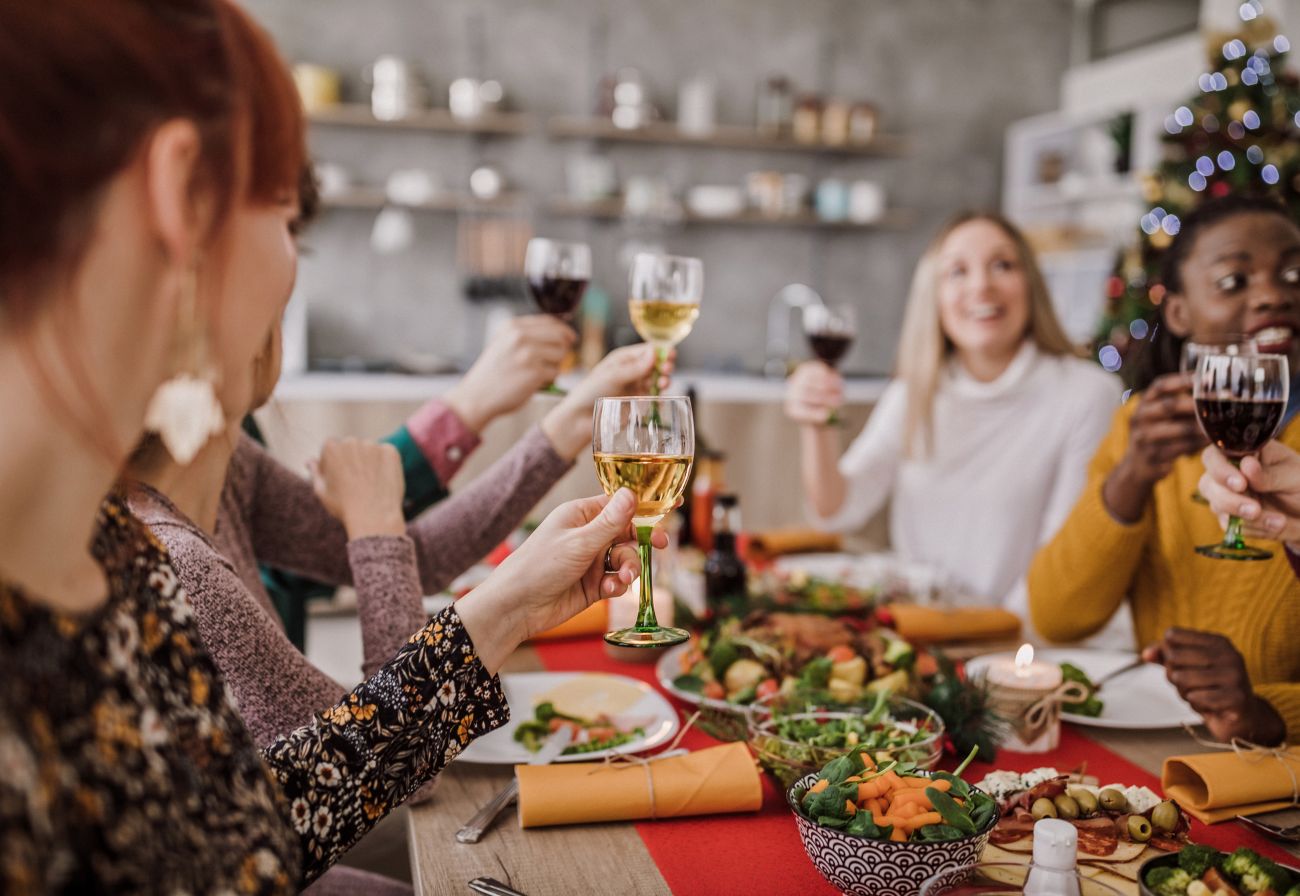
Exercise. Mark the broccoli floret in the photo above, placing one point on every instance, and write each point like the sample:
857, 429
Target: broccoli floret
1197, 859
1254, 872
1166, 881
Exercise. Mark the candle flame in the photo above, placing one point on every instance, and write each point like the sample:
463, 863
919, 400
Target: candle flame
1024, 659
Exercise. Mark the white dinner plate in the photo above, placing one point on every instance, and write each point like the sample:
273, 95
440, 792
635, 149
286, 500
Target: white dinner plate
525, 690
669, 667
1137, 701
866, 571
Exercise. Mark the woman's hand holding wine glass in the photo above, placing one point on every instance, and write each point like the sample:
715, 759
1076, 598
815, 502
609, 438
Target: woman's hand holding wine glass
630, 370
520, 359
555, 574
1161, 430
813, 392
1264, 491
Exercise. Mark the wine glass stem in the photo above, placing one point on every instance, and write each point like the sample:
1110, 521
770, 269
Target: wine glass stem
1232, 535
661, 355
645, 614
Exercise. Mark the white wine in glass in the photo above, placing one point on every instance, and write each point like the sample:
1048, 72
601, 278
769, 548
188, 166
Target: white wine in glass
664, 300
646, 444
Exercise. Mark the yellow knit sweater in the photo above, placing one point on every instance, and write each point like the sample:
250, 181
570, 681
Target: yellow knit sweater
1082, 576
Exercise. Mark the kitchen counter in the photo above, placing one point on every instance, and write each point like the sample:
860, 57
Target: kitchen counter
713, 387
740, 415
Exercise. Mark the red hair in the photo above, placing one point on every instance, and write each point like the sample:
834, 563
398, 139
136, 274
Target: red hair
82, 88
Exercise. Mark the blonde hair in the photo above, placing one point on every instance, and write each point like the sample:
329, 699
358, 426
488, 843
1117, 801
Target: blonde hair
923, 347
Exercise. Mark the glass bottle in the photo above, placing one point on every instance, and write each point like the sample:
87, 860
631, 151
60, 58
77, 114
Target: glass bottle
725, 580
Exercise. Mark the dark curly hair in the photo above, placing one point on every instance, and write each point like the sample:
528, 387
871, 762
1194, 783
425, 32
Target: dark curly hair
1160, 353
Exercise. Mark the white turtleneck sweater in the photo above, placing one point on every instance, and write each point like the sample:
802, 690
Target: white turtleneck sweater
1010, 458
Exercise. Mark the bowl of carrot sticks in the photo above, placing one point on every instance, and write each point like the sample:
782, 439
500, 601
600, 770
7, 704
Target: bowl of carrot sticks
884, 829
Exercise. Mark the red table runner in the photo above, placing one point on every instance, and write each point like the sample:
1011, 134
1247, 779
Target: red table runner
762, 853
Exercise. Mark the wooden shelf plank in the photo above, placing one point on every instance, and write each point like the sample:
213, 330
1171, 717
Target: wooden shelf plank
612, 209
437, 120
373, 198
722, 137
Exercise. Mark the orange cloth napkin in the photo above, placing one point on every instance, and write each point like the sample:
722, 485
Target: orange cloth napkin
592, 621
1219, 786
705, 782
935, 625
775, 542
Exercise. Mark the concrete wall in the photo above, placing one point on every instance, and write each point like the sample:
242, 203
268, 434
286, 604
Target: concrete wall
948, 74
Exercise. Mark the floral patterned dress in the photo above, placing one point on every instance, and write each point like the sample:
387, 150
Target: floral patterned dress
124, 765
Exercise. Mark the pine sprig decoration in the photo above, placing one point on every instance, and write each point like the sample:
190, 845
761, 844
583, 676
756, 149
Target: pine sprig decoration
966, 710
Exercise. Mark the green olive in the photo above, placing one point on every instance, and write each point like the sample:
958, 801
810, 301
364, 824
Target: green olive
1165, 817
1044, 808
1087, 801
1139, 829
1066, 807
1113, 800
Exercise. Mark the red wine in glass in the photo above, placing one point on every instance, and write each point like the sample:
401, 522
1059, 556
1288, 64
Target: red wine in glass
830, 330
557, 295
1239, 426
557, 275
830, 348
1240, 400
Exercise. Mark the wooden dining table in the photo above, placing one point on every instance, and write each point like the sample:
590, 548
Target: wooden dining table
602, 858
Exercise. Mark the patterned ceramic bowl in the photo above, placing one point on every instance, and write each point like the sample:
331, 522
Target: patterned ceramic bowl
863, 867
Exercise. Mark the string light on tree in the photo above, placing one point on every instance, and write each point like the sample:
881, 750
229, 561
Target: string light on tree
1239, 132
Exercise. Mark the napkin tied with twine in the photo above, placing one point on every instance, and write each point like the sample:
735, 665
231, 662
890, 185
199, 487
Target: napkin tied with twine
704, 782
1245, 779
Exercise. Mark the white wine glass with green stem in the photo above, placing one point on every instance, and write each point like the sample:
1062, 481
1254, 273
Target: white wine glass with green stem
664, 294
646, 444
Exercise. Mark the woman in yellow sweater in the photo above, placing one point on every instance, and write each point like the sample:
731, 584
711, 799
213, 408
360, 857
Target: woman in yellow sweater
1227, 632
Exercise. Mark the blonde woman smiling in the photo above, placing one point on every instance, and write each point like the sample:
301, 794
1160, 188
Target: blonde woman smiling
981, 442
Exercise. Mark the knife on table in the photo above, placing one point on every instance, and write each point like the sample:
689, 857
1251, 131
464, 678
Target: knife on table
477, 826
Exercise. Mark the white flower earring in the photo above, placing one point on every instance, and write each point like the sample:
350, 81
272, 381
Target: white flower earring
184, 412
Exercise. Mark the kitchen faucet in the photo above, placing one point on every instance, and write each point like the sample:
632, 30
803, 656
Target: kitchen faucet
796, 295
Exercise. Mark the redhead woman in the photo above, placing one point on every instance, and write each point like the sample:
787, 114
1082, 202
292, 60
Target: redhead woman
146, 197
981, 441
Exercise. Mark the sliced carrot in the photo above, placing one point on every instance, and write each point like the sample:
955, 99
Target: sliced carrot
941, 784
850, 808
819, 786
912, 796
875, 806
905, 810
898, 835
868, 762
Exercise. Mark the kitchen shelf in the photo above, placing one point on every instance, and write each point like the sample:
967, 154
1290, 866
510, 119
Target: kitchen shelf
371, 198
504, 124
722, 137
612, 209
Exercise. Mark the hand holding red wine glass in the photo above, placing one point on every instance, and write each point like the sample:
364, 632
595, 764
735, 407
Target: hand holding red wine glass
831, 330
557, 274
1240, 401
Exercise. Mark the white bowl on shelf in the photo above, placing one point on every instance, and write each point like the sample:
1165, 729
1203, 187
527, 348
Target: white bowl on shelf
715, 201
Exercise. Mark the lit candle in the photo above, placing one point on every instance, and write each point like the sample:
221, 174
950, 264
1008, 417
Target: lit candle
1019, 684
1022, 673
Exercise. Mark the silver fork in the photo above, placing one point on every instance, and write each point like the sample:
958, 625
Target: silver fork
1285, 833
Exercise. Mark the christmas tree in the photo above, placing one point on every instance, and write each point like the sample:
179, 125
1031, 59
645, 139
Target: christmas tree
1239, 134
